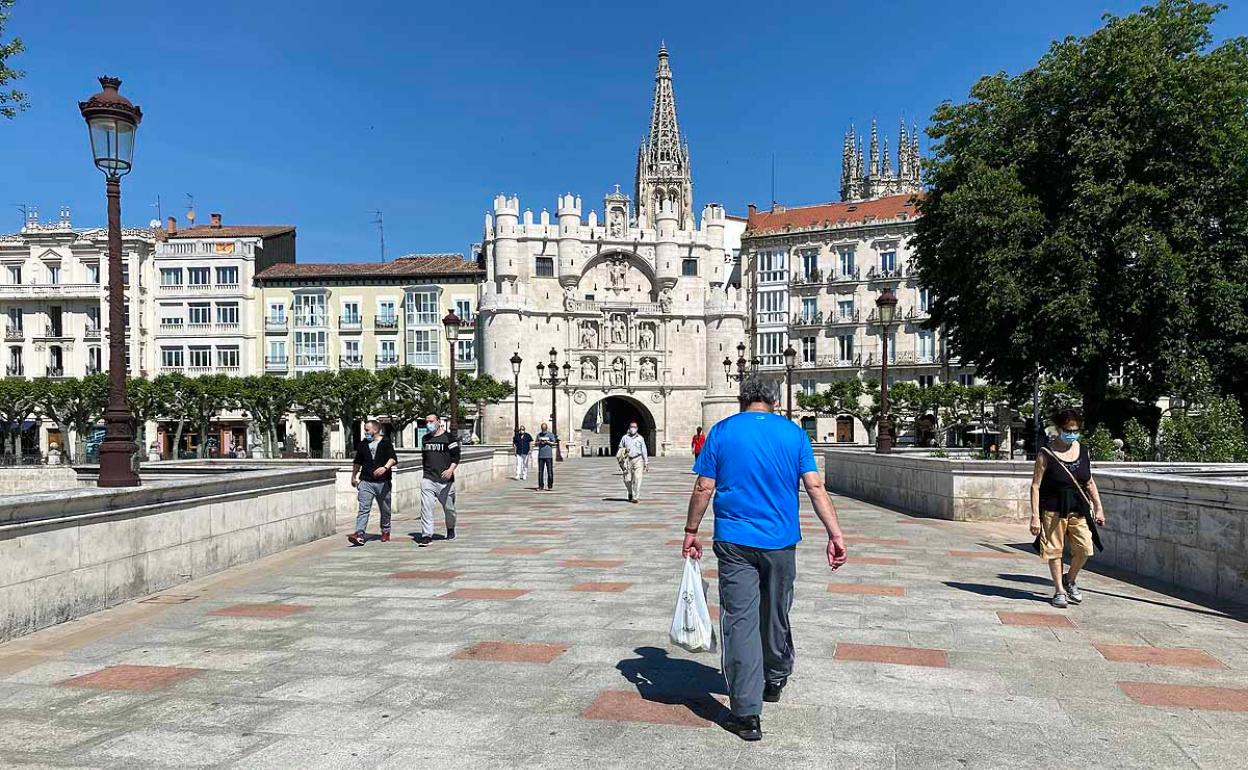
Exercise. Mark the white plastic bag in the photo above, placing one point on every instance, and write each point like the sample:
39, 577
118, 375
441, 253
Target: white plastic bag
691, 626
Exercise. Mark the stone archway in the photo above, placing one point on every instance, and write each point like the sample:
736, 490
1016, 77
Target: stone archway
612, 415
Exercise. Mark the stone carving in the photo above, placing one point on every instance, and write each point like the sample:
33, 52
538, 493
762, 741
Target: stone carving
649, 370
665, 301
589, 368
619, 330
579, 396
589, 335
569, 297
617, 371
618, 273
645, 337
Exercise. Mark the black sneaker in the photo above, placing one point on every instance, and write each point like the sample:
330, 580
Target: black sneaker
746, 728
771, 692
450, 534
424, 541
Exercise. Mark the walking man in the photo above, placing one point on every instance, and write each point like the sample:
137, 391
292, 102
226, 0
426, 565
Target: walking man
440, 457
751, 464
634, 460
370, 475
546, 443
523, 444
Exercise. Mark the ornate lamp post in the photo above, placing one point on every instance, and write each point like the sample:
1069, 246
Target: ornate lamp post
112, 122
516, 360
554, 380
886, 304
790, 363
743, 368
451, 322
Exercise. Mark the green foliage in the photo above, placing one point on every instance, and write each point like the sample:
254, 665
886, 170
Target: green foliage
341, 397
19, 402
1100, 444
1214, 433
1087, 214
76, 406
11, 99
1137, 443
267, 399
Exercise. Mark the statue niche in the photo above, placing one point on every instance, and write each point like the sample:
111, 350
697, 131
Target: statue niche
589, 335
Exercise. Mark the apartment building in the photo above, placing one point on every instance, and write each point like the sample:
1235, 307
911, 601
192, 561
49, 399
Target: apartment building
204, 318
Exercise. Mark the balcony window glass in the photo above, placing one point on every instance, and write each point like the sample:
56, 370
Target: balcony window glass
387, 317
277, 351
926, 346
351, 350
227, 357
197, 276
770, 345
808, 350
772, 266
847, 262
310, 310
310, 348
54, 274
171, 358
388, 352
227, 314
845, 309
171, 276
200, 357
199, 313
93, 319
927, 380
966, 380
925, 300
93, 274
810, 309
463, 309
465, 351
808, 387
422, 309
276, 315
15, 319
810, 264
422, 348
227, 276
888, 261
845, 348
15, 275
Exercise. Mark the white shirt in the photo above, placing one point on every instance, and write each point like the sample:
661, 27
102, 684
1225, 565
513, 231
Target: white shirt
635, 444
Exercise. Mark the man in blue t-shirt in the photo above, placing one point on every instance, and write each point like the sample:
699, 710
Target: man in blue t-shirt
751, 464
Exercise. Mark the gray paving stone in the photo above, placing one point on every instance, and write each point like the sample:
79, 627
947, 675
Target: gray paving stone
172, 748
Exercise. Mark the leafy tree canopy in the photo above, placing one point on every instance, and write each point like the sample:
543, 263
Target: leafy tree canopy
11, 99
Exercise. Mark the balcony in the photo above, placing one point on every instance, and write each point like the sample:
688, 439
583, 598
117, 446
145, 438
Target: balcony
191, 288
198, 328
311, 321
425, 359
55, 371
232, 370
880, 274
842, 319
172, 327
807, 319
350, 324
92, 333
276, 364
172, 368
311, 361
50, 291
228, 287
385, 362
228, 327
51, 332
14, 333
845, 276
832, 362
275, 324
14, 370
386, 324
917, 314
196, 371
811, 278
773, 317
351, 362
424, 318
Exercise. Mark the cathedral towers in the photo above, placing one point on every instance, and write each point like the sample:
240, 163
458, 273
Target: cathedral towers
663, 159
875, 178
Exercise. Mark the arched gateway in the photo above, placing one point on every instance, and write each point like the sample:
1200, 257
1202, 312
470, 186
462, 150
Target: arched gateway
607, 421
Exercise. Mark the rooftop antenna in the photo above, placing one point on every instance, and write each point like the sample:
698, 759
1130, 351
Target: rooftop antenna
190, 209
381, 231
159, 218
25, 214
773, 181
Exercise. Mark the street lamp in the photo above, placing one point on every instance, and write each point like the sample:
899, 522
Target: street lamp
886, 305
743, 366
451, 322
112, 122
554, 380
790, 362
516, 360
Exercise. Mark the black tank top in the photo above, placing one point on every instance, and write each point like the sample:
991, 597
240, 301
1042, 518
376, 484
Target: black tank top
1057, 492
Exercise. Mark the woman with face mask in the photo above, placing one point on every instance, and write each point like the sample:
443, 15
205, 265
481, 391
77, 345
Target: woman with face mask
1064, 502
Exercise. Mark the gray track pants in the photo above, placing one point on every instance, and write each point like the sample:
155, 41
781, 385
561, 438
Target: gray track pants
432, 492
365, 493
755, 594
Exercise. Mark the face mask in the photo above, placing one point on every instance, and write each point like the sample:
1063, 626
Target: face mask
431, 426
632, 431
1069, 436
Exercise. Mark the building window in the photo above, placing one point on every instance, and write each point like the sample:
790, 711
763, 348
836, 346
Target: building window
276, 314
771, 307
808, 387
966, 380
15, 275
422, 348
310, 348
926, 346
93, 274
171, 316
772, 266
888, 261
463, 309
688, 267
810, 310
387, 316
545, 267
199, 357
770, 348
277, 353
351, 353
845, 310
810, 265
465, 351
54, 274
171, 358
892, 347
848, 268
927, 380
845, 348
227, 276
227, 358
93, 319
925, 300
227, 314
389, 353
310, 310
15, 319
197, 276
55, 321
15, 368
171, 276
808, 350
199, 313
350, 313
422, 309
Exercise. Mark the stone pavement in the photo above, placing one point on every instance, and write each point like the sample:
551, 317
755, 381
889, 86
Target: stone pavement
538, 639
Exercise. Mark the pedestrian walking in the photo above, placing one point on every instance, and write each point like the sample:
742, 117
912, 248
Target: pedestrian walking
699, 439
1065, 506
522, 442
440, 457
371, 474
751, 465
546, 443
635, 461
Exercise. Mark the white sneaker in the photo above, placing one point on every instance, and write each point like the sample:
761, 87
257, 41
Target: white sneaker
1059, 600
1072, 591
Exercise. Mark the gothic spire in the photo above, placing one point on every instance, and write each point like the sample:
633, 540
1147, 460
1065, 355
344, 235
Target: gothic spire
663, 161
875, 150
664, 129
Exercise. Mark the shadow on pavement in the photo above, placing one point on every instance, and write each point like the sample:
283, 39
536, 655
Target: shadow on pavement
615, 500
660, 678
1004, 592
1220, 610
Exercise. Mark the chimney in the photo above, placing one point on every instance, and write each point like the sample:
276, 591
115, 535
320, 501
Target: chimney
214, 220
753, 210
171, 225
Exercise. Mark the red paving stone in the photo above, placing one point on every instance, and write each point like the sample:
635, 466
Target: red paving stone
538, 532
710, 574
511, 652
592, 563
1158, 656
883, 561
518, 550
127, 677
605, 588
495, 594
881, 653
260, 610
984, 555
1034, 619
865, 589
427, 574
860, 540
1186, 696
631, 707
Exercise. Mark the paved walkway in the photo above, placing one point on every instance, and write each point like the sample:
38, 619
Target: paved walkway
538, 639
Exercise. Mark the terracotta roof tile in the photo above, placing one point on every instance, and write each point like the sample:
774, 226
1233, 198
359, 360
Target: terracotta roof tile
831, 214
410, 266
230, 231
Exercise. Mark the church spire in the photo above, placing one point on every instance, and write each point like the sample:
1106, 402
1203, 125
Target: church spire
663, 161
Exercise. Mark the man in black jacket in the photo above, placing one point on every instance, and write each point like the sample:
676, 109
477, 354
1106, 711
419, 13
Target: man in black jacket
370, 475
440, 458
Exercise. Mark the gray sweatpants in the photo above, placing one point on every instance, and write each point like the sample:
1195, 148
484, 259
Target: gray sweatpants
432, 492
365, 493
755, 595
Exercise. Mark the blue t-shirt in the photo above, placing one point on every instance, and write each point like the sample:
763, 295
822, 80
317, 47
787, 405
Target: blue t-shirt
757, 460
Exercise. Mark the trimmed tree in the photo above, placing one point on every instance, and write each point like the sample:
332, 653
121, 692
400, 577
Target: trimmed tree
19, 402
342, 397
267, 399
149, 400
76, 406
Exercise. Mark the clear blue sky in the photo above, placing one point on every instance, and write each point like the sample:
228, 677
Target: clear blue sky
295, 111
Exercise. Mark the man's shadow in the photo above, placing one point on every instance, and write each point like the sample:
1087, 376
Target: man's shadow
660, 678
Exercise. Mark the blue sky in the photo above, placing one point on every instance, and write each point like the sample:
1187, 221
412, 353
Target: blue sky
298, 111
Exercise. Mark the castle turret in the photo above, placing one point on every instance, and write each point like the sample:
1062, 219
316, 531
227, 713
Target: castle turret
569, 213
713, 220
667, 255
507, 263
725, 328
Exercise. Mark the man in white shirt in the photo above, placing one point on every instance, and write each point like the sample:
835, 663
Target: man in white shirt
635, 461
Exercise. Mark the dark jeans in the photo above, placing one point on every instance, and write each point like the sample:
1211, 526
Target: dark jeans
755, 595
546, 470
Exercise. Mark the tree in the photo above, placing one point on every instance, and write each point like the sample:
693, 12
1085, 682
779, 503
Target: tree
76, 406
1212, 433
175, 389
407, 394
1137, 442
199, 401
19, 402
149, 400
267, 399
479, 390
343, 396
1087, 215
11, 99
845, 397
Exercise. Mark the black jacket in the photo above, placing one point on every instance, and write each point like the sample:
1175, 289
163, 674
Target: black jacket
368, 462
